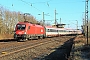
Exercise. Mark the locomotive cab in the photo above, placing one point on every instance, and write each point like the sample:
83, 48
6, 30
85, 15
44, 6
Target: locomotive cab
20, 31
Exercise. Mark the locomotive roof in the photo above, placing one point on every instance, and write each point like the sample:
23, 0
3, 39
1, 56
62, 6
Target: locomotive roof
30, 24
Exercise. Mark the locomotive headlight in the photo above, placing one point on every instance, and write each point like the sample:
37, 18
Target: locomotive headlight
24, 32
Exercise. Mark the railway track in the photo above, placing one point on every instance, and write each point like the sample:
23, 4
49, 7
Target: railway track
12, 50
22, 46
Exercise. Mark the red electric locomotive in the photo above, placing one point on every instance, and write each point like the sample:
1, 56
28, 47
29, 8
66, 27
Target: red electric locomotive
26, 30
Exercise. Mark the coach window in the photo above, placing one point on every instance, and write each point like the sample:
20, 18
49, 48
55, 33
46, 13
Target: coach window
48, 30
28, 27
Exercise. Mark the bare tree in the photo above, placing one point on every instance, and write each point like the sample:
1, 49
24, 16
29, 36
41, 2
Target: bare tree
9, 19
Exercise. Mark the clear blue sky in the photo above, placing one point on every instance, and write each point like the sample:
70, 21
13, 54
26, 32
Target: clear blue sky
68, 10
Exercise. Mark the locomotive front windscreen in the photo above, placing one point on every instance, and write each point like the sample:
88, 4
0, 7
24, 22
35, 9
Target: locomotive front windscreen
21, 27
